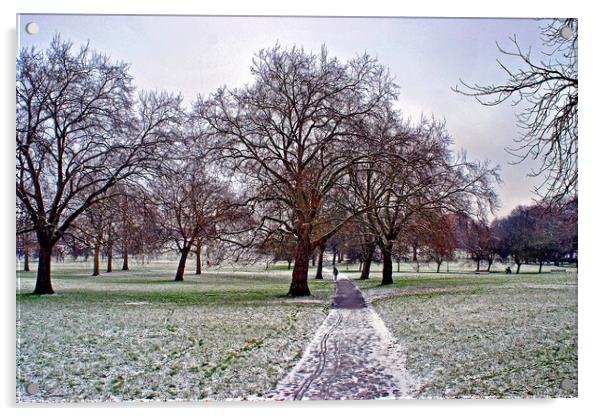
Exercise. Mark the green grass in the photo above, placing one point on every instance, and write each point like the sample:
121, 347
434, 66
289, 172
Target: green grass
155, 283
233, 332
140, 335
463, 279
502, 336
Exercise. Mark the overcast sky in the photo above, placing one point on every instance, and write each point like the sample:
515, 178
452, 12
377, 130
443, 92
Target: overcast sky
196, 55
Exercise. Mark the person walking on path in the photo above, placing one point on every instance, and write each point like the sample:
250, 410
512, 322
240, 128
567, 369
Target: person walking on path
335, 273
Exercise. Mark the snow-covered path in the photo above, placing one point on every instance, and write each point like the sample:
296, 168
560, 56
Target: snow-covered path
351, 357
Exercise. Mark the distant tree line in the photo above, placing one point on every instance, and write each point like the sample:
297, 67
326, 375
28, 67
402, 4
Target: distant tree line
535, 234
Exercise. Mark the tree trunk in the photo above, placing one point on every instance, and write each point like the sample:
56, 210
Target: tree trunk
26, 252
182, 264
439, 266
199, 259
339, 257
540, 266
320, 262
478, 264
387, 265
26, 261
43, 283
125, 253
299, 285
489, 263
367, 263
110, 258
334, 257
289, 264
96, 270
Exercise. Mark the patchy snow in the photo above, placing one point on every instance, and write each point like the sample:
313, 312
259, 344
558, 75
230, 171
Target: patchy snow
507, 340
105, 340
96, 352
102, 339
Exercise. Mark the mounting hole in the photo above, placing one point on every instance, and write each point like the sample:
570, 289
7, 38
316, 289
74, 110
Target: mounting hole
566, 32
566, 384
32, 388
32, 28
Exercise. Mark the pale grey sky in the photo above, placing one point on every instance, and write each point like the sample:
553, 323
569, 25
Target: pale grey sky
196, 55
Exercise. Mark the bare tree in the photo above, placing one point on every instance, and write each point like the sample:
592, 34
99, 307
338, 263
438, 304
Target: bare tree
368, 248
320, 248
515, 230
146, 239
475, 236
127, 203
440, 239
414, 173
96, 216
547, 89
24, 236
94, 232
192, 205
91, 229
132, 224
360, 245
537, 233
289, 137
79, 132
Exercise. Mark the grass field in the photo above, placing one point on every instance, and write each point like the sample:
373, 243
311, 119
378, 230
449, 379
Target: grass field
138, 335
232, 332
485, 336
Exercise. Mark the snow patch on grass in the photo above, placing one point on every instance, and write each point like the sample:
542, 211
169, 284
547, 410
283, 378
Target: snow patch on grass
139, 337
513, 339
99, 353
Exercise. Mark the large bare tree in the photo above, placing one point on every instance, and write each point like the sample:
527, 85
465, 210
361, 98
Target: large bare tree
546, 89
414, 173
79, 132
290, 139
